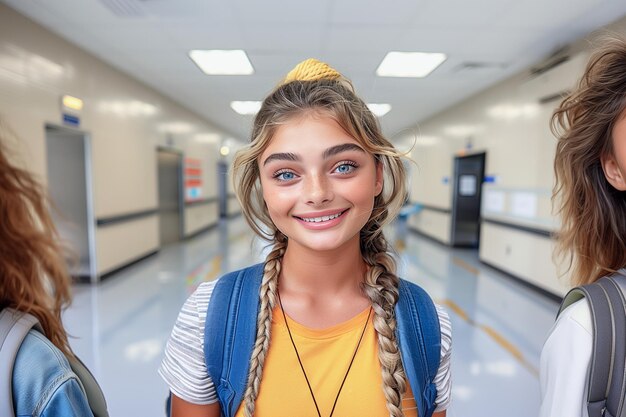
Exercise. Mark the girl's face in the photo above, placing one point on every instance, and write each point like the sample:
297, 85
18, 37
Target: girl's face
615, 165
318, 183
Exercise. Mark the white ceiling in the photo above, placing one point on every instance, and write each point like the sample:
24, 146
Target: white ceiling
151, 41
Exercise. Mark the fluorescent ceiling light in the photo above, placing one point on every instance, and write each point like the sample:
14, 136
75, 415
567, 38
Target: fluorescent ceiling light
246, 107
379, 109
409, 64
220, 62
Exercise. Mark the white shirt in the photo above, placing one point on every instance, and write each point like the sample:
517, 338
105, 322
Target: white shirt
564, 365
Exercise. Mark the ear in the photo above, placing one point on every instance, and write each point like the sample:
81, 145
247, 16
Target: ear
613, 173
379, 177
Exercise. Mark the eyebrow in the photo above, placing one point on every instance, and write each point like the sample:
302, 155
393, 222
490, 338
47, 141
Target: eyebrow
334, 150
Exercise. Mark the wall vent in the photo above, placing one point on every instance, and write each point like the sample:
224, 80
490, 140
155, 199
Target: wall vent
554, 78
124, 8
558, 57
478, 66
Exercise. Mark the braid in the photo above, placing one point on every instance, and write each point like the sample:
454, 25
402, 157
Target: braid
267, 296
381, 286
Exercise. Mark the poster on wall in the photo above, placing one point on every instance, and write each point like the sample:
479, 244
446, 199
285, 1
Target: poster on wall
193, 179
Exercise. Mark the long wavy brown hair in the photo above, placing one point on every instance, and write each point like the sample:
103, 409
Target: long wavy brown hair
593, 213
33, 272
334, 98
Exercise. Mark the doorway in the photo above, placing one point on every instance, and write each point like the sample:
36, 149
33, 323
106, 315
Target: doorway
222, 178
469, 172
170, 177
68, 157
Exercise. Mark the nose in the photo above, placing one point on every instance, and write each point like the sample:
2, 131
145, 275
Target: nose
317, 190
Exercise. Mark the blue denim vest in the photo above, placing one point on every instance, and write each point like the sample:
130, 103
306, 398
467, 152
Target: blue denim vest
44, 384
231, 319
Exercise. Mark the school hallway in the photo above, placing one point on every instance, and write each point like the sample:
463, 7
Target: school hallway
120, 326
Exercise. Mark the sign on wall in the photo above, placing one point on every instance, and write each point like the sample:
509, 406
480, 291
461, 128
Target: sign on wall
193, 179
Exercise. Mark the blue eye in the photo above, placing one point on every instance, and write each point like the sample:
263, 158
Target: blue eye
345, 168
284, 176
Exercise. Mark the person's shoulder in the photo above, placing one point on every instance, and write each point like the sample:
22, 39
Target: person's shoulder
40, 369
37, 352
252, 269
579, 314
407, 287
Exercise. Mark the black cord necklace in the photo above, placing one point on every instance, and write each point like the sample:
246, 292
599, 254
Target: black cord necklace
302, 366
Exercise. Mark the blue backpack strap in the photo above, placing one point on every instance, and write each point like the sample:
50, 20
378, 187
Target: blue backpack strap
419, 337
230, 334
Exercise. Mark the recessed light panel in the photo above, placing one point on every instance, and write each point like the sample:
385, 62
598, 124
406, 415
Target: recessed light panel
409, 64
379, 109
246, 107
220, 62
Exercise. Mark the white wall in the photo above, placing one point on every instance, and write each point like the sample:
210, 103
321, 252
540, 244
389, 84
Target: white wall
126, 122
511, 125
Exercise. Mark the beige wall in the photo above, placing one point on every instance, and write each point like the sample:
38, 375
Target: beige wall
511, 125
125, 120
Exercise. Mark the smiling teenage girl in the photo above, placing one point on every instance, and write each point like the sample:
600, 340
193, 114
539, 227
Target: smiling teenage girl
337, 332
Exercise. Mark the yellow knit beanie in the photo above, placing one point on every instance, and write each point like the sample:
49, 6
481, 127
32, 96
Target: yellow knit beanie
311, 70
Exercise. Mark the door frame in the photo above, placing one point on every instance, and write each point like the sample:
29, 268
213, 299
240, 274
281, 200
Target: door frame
89, 193
455, 186
181, 189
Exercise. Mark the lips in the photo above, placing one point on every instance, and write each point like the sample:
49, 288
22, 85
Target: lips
321, 217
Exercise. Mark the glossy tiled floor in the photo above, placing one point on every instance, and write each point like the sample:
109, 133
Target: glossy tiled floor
120, 326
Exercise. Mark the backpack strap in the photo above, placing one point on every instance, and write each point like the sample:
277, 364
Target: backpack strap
95, 396
419, 337
230, 333
614, 287
605, 380
14, 326
233, 310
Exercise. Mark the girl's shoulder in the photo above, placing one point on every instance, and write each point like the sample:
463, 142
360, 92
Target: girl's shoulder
39, 371
577, 314
37, 349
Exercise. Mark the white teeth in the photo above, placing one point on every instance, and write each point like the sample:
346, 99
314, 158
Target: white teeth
321, 219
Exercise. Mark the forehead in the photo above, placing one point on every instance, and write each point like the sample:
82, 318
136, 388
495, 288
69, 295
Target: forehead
308, 133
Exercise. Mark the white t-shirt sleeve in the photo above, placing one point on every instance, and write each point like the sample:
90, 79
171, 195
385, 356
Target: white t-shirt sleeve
183, 367
443, 380
565, 362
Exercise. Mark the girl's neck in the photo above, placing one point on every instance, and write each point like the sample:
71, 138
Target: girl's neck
322, 272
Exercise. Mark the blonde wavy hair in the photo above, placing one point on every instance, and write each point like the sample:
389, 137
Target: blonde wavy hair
33, 272
333, 97
593, 213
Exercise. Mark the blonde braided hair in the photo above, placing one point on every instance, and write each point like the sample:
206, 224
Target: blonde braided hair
313, 86
267, 297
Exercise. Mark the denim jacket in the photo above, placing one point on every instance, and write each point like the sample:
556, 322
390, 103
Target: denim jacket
44, 385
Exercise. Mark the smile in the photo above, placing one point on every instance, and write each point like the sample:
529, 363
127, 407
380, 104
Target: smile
321, 218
